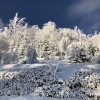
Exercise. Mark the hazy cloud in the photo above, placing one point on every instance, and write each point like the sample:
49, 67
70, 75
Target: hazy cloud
83, 7
88, 11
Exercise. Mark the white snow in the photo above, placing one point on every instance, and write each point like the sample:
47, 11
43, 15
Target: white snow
65, 69
31, 97
21, 66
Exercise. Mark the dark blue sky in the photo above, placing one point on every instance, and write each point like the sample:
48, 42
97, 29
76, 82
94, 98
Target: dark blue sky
65, 13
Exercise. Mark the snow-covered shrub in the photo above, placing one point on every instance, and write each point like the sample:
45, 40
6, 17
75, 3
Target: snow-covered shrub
37, 80
86, 83
22, 81
80, 51
54, 88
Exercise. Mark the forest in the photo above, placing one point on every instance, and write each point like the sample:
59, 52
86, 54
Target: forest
21, 43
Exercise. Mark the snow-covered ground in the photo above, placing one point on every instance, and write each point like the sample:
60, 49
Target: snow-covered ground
31, 97
20, 66
65, 70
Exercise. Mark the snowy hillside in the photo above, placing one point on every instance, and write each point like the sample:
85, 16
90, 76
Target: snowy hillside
67, 76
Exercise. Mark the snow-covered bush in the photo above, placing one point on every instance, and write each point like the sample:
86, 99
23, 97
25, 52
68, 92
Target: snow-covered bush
86, 83
80, 51
38, 81
22, 81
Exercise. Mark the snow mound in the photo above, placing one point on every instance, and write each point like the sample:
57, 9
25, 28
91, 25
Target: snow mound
85, 83
22, 81
37, 80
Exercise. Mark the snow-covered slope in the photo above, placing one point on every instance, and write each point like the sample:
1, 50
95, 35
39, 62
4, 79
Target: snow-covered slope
65, 71
31, 97
20, 66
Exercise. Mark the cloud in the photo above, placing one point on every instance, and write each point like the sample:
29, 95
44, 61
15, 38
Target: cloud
88, 13
2, 24
83, 7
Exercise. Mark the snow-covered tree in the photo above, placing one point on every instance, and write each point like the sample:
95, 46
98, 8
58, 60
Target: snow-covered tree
3, 44
80, 51
28, 55
65, 41
47, 42
46, 39
20, 36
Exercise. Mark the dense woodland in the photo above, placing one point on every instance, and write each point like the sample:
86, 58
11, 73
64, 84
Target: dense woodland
22, 44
